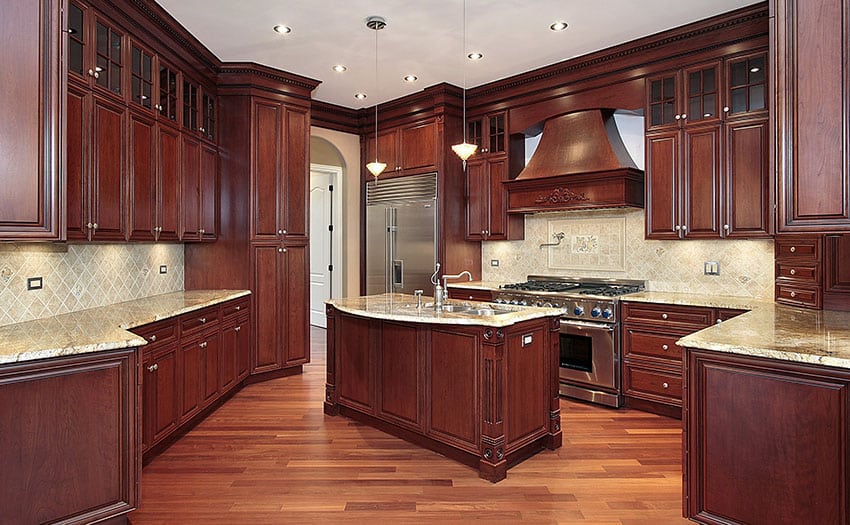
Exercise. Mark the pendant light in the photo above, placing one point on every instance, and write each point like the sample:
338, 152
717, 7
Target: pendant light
464, 150
376, 23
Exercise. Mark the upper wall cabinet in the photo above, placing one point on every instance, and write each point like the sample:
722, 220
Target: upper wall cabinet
95, 51
407, 150
812, 55
707, 144
31, 171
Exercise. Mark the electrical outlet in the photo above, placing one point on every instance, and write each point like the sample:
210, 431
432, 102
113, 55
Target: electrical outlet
163, 269
494, 263
711, 268
6, 275
34, 283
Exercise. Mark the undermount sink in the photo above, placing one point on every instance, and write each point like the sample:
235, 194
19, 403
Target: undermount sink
485, 311
456, 308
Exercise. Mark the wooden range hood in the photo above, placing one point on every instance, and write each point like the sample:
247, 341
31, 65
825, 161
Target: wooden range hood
580, 163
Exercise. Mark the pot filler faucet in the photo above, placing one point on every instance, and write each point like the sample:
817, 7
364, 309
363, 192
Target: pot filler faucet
458, 276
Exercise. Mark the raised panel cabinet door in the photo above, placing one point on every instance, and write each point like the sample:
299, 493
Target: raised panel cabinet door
477, 202
836, 283
294, 196
161, 385
142, 176
30, 168
267, 293
662, 185
168, 183
109, 192
243, 347
701, 100
190, 189
228, 361
355, 379
77, 128
526, 407
209, 193
192, 378
701, 175
267, 168
452, 388
388, 149
747, 188
400, 393
662, 101
419, 147
497, 216
296, 277
813, 60
211, 356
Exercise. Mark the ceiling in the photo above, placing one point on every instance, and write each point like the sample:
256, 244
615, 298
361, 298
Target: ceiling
423, 38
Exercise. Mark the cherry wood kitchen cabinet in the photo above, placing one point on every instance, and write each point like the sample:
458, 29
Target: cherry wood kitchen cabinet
154, 181
161, 381
70, 440
836, 286
765, 441
485, 396
652, 362
407, 150
235, 343
470, 294
31, 170
707, 144
799, 270
812, 122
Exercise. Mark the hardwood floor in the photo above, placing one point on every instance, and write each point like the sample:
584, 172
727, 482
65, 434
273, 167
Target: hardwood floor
269, 455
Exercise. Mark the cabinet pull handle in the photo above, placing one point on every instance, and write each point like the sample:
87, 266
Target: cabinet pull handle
280, 250
93, 73
726, 227
792, 249
202, 130
88, 225
664, 316
238, 308
280, 232
203, 345
725, 109
154, 367
664, 347
237, 329
202, 320
153, 338
793, 294
677, 117
684, 116
94, 226
665, 385
792, 271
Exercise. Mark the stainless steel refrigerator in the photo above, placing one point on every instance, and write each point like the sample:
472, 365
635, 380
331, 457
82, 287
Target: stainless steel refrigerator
401, 234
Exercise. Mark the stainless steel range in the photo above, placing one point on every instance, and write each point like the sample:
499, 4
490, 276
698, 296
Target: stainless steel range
590, 330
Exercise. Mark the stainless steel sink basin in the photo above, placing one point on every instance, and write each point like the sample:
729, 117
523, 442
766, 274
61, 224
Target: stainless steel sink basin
485, 311
456, 308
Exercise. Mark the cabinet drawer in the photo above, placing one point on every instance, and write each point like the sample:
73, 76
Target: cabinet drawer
234, 307
724, 314
802, 247
468, 294
654, 385
647, 344
796, 295
802, 272
194, 321
157, 333
693, 316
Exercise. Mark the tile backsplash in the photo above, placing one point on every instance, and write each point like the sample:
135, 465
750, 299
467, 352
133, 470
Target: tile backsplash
611, 243
76, 277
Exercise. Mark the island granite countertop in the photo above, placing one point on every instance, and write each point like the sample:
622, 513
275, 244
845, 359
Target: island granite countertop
402, 307
102, 328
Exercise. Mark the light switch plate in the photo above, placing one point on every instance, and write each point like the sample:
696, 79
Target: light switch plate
711, 268
34, 283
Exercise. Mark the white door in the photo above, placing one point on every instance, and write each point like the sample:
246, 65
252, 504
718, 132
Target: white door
321, 242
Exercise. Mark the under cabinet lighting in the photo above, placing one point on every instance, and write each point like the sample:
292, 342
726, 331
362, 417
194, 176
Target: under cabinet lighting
282, 29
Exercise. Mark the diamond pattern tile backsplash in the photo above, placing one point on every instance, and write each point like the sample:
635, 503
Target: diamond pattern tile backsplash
76, 277
592, 241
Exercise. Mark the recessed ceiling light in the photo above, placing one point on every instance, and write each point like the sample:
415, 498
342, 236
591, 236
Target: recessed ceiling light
360, 96
410, 78
558, 26
475, 56
282, 29
339, 68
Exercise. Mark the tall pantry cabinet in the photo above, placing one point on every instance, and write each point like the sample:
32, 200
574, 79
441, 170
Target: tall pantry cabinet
264, 134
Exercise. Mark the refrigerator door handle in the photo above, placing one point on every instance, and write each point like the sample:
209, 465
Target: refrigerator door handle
398, 274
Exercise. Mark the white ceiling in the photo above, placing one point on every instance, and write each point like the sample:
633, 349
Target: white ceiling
423, 37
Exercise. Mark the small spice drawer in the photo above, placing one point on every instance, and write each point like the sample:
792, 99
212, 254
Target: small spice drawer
468, 294
195, 321
796, 295
798, 246
235, 307
653, 345
799, 270
808, 272
653, 385
157, 333
668, 314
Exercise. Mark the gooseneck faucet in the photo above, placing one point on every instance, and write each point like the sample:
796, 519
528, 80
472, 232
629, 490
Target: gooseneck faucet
458, 276
438, 290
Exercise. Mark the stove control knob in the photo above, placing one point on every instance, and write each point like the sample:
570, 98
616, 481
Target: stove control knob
524, 303
578, 310
607, 313
500, 300
514, 301
596, 311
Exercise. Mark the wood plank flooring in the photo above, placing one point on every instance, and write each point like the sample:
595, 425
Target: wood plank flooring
269, 455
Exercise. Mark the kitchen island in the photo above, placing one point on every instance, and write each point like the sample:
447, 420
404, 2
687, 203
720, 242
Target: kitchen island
475, 384
766, 418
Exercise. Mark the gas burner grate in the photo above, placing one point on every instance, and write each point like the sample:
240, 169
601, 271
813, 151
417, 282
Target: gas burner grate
542, 286
609, 290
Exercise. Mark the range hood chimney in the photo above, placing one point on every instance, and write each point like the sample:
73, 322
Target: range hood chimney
580, 163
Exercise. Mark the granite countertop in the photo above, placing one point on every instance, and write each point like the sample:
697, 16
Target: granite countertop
98, 329
476, 285
691, 299
402, 307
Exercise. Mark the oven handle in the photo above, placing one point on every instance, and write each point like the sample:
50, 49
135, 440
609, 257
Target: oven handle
592, 326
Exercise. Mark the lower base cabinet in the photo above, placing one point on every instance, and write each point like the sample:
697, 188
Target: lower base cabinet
765, 441
69, 438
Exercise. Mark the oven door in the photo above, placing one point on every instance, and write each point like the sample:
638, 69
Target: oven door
588, 354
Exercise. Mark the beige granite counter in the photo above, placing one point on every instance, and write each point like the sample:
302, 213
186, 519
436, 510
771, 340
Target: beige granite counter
690, 299
402, 307
475, 285
98, 329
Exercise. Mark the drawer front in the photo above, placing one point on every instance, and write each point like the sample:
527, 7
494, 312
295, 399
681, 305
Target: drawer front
798, 247
157, 333
724, 314
467, 294
194, 321
809, 297
235, 307
654, 385
801, 272
647, 344
694, 316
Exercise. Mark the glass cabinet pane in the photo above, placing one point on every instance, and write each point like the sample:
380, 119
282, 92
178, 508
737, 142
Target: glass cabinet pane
748, 85
190, 105
141, 81
168, 92
702, 94
76, 39
497, 133
108, 64
473, 132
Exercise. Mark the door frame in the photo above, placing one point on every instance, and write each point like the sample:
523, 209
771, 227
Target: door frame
335, 173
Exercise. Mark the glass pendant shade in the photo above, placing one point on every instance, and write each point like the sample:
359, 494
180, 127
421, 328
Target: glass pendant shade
376, 168
464, 150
